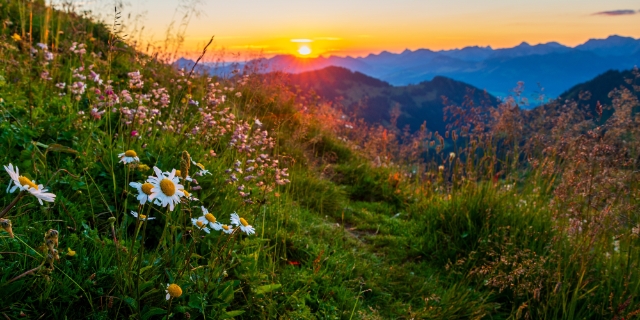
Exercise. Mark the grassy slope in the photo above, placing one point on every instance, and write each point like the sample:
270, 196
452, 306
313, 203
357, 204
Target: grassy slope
350, 242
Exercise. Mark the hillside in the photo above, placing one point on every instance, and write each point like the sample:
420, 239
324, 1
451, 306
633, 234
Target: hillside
600, 87
373, 100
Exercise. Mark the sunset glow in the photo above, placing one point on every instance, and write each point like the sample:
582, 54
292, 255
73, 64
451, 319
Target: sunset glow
358, 28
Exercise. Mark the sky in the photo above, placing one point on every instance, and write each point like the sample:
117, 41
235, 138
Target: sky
360, 27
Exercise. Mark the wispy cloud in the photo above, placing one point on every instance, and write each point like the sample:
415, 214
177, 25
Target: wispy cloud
302, 40
615, 13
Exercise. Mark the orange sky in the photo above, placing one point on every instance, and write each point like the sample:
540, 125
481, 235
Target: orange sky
360, 27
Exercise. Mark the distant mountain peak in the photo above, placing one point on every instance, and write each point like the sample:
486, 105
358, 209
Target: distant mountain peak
555, 44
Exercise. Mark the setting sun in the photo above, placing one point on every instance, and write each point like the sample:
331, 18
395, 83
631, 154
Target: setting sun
304, 50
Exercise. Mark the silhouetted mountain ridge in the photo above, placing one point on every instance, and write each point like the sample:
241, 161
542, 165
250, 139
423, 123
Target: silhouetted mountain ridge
373, 99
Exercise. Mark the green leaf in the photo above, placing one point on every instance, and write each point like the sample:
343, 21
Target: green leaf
131, 302
196, 301
268, 288
227, 294
150, 293
146, 285
152, 312
142, 270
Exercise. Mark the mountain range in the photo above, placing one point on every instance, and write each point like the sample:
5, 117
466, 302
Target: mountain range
373, 100
549, 68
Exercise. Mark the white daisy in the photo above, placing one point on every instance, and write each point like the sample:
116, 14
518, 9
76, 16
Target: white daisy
200, 166
129, 156
141, 216
166, 188
177, 174
189, 196
23, 183
41, 194
18, 181
173, 291
144, 191
210, 219
203, 172
242, 223
201, 223
227, 229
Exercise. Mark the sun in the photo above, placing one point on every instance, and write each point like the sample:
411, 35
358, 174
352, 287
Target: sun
304, 50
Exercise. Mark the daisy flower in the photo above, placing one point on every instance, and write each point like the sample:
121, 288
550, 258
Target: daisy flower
23, 183
210, 219
144, 191
202, 171
201, 223
227, 229
19, 182
129, 156
173, 291
242, 223
41, 194
166, 188
189, 196
141, 216
179, 175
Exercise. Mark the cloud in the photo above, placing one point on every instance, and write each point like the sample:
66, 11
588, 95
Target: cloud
301, 40
615, 13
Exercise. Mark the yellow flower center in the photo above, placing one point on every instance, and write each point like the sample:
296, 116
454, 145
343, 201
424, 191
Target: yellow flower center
70, 252
146, 188
186, 194
130, 153
178, 173
174, 290
200, 165
26, 182
244, 222
226, 227
210, 217
142, 217
168, 187
200, 224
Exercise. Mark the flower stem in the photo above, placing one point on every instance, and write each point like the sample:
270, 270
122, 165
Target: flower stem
12, 204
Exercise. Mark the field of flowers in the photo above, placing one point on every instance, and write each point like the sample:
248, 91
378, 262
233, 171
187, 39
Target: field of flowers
137, 190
